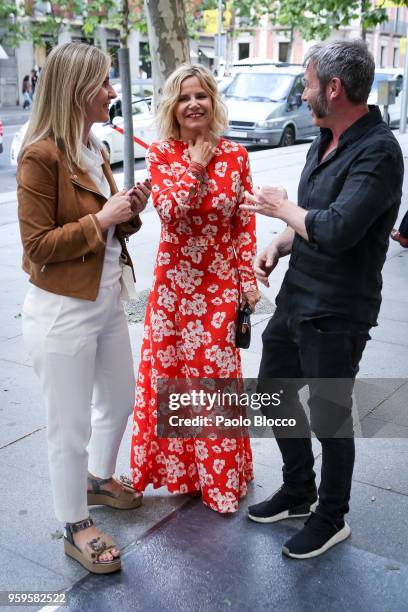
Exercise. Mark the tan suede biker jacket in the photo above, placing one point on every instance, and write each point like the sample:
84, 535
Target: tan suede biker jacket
62, 240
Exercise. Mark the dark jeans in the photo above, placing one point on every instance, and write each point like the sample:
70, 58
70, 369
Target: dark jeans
324, 348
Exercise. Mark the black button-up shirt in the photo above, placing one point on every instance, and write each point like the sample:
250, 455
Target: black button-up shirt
352, 199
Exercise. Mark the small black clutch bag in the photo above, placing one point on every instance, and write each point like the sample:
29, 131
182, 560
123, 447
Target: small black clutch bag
243, 335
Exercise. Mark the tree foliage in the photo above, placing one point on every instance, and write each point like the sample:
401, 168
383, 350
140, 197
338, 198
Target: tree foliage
313, 18
21, 21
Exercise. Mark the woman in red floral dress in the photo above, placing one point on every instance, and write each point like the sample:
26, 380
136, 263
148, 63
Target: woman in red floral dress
203, 273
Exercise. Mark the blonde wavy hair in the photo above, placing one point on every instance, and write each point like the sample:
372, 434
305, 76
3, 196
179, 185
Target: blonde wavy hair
72, 75
167, 123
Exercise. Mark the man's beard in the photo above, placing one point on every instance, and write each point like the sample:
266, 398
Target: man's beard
319, 106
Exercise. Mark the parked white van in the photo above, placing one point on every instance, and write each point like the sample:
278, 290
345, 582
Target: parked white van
265, 106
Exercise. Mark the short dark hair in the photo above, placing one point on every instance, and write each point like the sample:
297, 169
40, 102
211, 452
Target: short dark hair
350, 61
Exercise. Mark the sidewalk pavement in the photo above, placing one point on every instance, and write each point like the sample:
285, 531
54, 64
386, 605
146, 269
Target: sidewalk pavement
13, 115
178, 555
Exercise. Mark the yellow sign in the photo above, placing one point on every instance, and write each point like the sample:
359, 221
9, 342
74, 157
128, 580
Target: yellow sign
210, 17
403, 46
210, 21
388, 4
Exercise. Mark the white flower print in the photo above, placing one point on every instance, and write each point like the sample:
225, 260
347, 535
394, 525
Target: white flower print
177, 169
194, 335
236, 181
161, 326
175, 468
229, 444
230, 295
163, 259
206, 479
210, 230
228, 146
194, 250
186, 277
167, 357
201, 449
217, 301
165, 169
218, 319
231, 332
167, 298
197, 305
233, 481
220, 168
176, 446
218, 465
139, 455
221, 267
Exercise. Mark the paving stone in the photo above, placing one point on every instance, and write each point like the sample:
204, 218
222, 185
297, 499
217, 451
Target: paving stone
378, 428
374, 465
395, 408
14, 350
394, 332
384, 360
21, 409
27, 517
202, 561
18, 573
393, 309
370, 393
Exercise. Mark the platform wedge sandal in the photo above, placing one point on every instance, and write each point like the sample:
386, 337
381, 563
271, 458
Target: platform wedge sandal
89, 556
128, 499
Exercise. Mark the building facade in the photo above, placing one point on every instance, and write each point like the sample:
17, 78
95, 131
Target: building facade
387, 42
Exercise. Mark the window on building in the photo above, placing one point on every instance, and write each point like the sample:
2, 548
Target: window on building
383, 56
144, 57
243, 50
395, 57
283, 52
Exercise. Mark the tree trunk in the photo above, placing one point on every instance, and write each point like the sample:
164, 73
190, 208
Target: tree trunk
168, 40
124, 70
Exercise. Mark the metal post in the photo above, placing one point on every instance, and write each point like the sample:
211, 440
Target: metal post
404, 104
128, 152
218, 45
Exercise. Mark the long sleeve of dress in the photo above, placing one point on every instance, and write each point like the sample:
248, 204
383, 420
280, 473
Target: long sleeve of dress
243, 230
174, 189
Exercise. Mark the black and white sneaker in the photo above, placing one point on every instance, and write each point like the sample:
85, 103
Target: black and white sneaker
317, 536
280, 506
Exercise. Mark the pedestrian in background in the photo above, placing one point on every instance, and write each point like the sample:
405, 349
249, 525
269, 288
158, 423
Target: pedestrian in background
73, 224
34, 79
203, 275
337, 238
26, 91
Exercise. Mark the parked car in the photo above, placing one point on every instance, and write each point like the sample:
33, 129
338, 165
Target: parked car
111, 134
1, 136
265, 106
144, 128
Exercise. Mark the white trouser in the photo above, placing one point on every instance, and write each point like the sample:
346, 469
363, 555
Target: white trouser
80, 348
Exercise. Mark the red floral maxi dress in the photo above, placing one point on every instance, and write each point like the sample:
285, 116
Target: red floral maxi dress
204, 262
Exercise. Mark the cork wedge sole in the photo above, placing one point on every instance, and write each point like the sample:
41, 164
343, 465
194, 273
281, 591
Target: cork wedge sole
123, 502
95, 567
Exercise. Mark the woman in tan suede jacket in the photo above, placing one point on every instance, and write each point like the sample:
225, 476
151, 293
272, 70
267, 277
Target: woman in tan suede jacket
74, 225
